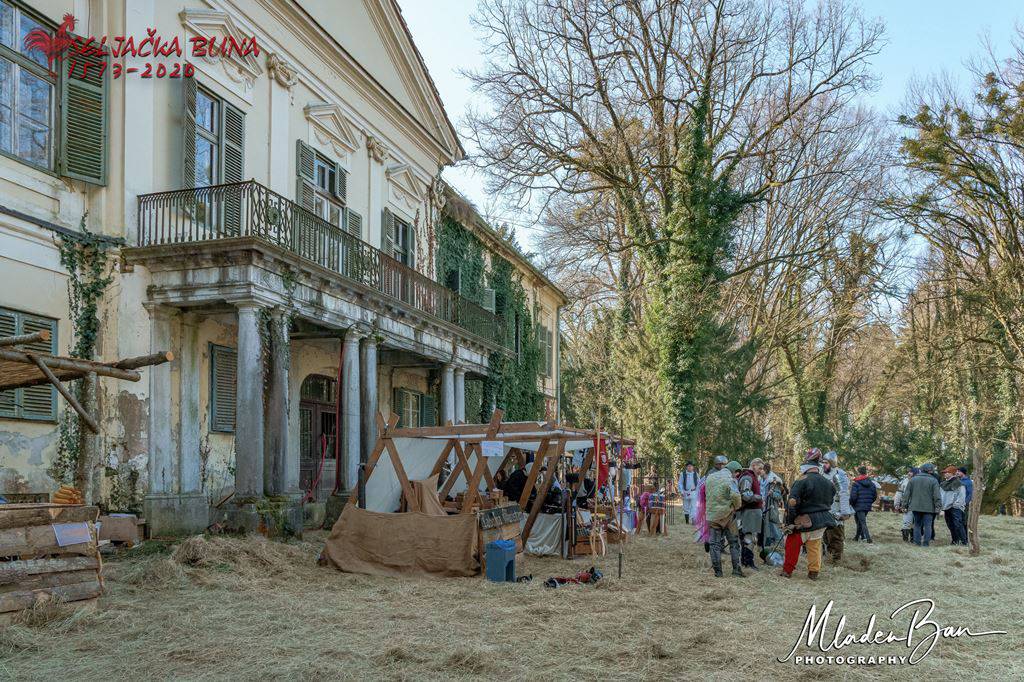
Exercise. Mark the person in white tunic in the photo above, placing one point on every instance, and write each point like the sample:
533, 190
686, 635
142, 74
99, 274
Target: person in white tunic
689, 480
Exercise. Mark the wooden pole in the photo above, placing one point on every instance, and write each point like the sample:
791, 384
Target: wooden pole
86, 417
38, 337
72, 365
144, 360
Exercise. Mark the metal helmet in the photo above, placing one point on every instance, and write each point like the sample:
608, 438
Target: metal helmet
813, 455
831, 456
721, 460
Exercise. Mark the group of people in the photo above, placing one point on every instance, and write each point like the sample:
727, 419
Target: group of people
922, 495
746, 507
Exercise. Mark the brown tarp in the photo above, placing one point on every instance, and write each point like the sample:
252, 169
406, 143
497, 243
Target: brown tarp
401, 545
425, 497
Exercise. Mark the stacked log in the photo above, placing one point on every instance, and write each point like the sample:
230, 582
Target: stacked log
33, 565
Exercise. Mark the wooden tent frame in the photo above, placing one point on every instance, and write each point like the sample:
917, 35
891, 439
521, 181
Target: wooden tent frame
464, 440
42, 369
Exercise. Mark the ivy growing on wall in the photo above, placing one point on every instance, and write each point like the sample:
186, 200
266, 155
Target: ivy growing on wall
512, 380
84, 257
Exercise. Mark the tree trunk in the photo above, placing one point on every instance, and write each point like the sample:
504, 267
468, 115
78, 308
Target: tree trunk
975, 507
1005, 490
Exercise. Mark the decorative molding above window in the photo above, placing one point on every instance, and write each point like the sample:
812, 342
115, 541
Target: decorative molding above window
209, 23
332, 129
406, 189
378, 151
281, 71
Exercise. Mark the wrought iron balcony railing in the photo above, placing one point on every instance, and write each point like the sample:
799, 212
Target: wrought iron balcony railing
248, 209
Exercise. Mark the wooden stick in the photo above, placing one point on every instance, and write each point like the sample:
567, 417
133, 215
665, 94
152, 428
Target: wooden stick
73, 365
474, 483
531, 479
38, 337
144, 360
396, 462
72, 401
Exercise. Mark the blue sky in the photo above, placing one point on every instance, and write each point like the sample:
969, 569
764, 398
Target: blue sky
923, 37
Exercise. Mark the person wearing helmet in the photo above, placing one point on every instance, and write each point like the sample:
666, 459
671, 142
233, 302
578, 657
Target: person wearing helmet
722, 500
749, 515
841, 509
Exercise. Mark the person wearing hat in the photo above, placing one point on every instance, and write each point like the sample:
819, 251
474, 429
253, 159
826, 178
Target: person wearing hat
862, 497
808, 515
954, 496
841, 509
900, 503
924, 500
969, 488
722, 499
689, 480
748, 481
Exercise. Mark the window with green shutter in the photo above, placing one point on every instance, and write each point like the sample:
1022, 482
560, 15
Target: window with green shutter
84, 87
223, 388
36, 403
214, 141
414, 408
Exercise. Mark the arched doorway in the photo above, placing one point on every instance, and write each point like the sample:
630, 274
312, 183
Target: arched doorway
318, 430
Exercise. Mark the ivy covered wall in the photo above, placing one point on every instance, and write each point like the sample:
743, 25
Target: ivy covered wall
512, 382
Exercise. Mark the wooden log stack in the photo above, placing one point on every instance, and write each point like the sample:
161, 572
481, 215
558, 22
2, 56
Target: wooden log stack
34, 567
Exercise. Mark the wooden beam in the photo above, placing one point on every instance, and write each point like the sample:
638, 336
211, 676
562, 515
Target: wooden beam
460, 467
474, 483
531, 479
144, 360
73, 365
38, 337
396, 462
439, 464
62, 389
543, 492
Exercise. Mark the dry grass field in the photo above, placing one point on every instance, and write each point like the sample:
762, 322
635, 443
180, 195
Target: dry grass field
223, 608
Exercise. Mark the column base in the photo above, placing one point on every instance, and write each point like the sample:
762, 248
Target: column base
335, 503
170, 515
273, 517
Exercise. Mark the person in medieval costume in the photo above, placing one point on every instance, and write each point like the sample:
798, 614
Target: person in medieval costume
749, 516
722, 499
808, 517
841, 509
773, 496
689, 481
899, 501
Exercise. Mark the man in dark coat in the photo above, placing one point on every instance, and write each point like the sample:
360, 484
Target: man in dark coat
862, 496
807, 516
924, 499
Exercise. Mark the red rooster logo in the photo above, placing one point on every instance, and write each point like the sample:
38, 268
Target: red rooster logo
53, 46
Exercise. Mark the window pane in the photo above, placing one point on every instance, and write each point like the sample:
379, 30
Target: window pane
28, 24
33, 119
206, 162
6, 24
206, 112
6, 105
335, 216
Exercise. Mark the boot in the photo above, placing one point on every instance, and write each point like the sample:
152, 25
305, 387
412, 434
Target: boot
738, 573
906, 534
784, 574
718, 572
812, 575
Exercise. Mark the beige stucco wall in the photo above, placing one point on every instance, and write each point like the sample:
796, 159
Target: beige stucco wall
144, 155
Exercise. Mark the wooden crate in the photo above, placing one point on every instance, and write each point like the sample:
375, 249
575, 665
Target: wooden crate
34, 567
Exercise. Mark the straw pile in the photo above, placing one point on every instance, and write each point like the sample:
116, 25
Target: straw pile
246, 608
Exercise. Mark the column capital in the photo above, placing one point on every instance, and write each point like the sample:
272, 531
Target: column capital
247, 304
354, 334
158, 311
460, 371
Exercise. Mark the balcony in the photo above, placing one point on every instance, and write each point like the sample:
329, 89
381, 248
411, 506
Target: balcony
248, 209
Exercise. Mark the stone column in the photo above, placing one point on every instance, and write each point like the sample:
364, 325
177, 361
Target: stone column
188, 428
447, 394
163, 455
280, 466
249, 405
368, 378
460, 395
350, 411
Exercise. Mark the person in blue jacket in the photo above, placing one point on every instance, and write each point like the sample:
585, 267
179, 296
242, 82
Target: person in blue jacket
969, 486
863, 493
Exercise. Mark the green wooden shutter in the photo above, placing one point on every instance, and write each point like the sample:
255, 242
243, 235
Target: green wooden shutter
305, 169
223, 388
353, 223
83, 117
398, 405
233, 159
40, 401
387, 233
341, 183
428, 410
8, 400
188, 132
